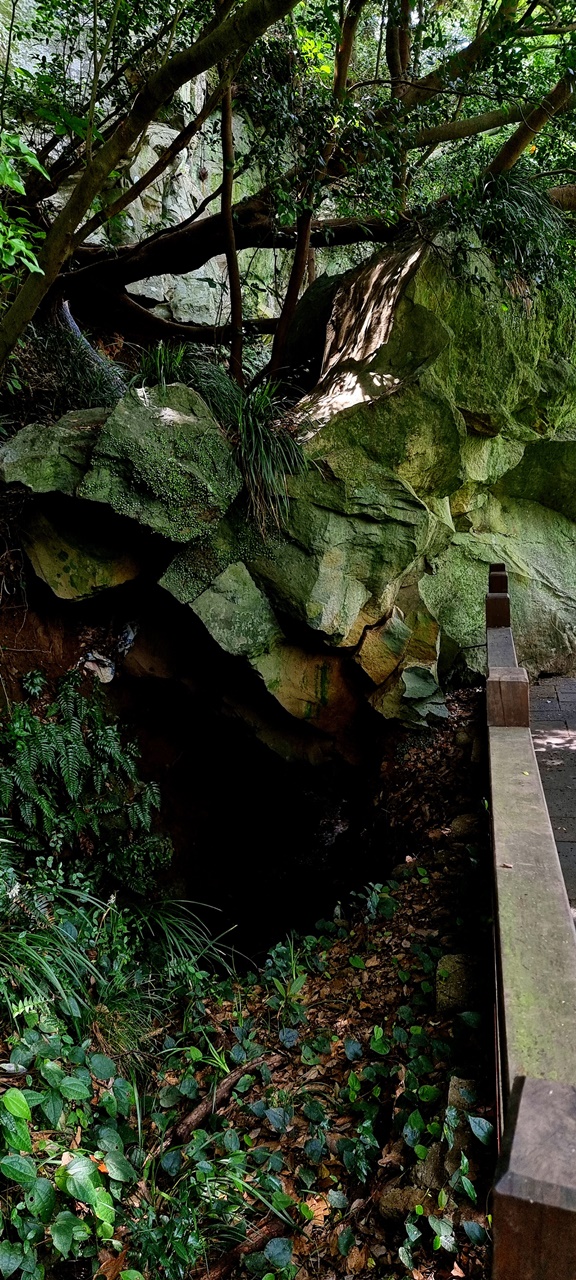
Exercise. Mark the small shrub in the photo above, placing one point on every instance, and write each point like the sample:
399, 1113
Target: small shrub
69, 785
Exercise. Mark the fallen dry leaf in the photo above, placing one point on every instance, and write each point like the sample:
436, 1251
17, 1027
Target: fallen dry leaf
111, 1264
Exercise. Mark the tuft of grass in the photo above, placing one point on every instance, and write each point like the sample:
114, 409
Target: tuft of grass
267, 454
520, 225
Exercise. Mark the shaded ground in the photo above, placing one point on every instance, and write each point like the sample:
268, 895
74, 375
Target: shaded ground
366, 1112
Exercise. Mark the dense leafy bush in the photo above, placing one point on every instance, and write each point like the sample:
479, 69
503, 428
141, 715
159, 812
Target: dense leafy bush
69, 785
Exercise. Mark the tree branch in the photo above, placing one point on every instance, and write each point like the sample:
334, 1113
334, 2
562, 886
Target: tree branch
230, 239
452, 130
180, 142
560, 97
230, 39
297, 273
459, 65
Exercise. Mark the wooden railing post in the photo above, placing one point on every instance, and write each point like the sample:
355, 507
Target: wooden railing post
534, 1203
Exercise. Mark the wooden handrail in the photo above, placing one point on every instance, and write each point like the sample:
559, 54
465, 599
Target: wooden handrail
534, 1198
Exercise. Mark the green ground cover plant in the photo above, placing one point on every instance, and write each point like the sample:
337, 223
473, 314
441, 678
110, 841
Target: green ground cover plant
162, 1115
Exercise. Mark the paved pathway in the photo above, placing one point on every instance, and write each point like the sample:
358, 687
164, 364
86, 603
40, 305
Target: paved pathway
553, 719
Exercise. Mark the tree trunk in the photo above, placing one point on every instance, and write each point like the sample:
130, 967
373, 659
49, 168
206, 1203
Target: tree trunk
506, 158
231, 254
299, 263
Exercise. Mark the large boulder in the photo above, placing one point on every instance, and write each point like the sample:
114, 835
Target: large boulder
47, 457
163, 460
77, 556
237, 614
440, 436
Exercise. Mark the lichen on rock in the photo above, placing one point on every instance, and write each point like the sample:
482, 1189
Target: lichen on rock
237, 614
163, 460
52, 456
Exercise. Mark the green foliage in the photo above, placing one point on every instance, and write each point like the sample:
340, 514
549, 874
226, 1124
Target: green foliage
53, 371
267, 454
18, 235
69, 784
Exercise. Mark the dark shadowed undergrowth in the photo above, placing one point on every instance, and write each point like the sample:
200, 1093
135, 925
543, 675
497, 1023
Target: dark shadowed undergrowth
163, 1115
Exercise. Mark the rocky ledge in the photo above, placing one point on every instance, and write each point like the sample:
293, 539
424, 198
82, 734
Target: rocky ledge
441, 436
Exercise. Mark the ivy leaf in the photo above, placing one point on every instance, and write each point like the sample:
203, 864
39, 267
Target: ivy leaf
279, 1252
288, 1037
352, 1049
124, 1095
16, 1133
73, 1089
345, 1241
481, 1128
470, 1190
103, 1207
281, 1200
61, 1232
476, 1234
279, 1118
11, 1256
82, 1179
66, 1228
102, 1067
16, 1104
20, 1169
428, 1093
169, 1096
314, 1111
314, 1150
109, 1139
41, 1199
357, 963
172, 1162
231, 1140
52, 1073
119, 1167
52, 1107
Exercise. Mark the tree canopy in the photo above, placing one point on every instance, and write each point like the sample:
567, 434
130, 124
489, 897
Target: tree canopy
363, 118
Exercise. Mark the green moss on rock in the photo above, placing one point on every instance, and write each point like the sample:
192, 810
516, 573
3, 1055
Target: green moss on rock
237, 614
55, 456
162, 460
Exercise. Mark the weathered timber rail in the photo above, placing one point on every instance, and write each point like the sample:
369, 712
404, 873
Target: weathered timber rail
534, 1200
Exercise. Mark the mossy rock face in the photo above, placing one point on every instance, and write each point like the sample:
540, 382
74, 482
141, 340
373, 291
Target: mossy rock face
163, 460
547, 475
237, 614
75, 555
539, 548
440, 436
310, 686
55, 456
348, 544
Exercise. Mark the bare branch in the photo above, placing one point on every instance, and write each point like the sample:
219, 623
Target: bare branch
467, 128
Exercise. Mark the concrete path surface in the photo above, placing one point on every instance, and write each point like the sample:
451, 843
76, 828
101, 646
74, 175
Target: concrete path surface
553, 722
